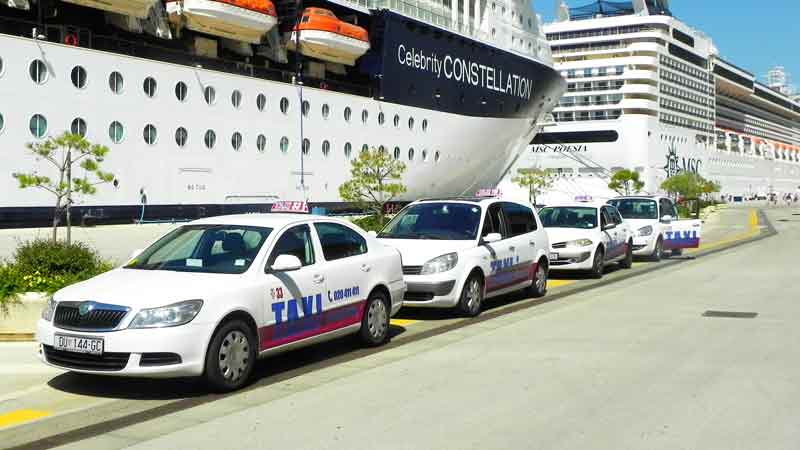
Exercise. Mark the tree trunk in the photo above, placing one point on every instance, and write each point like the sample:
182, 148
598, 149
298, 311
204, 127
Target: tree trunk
69, 196
56, 211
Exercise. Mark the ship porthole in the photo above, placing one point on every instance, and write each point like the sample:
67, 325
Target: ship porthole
38, 71
436, 157
116, 132
261, 143
305, 108
424, 124
236, 99
78, 76
396, 120
381, 118
2, 122
210, 95
150, 86
284, 144
410, 123
1, 67
210, 139
236, 141
116, 82
411, 154
261, 102
326, 111
181, 136
38, 126
364, 148
150, 134
181, 91
424, 155
382, 150
364, 116
347, 113
78, 127
397, 153
348, 150
306, 146
326, 148
284, 105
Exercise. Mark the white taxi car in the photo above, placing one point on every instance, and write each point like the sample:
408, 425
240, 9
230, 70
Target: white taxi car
457, 252
213, 295
656, 226
585, 236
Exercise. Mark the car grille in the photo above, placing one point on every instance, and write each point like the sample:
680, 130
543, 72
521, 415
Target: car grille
412, 270
418, 296
105, 317
159, 359
560, 245
109, 362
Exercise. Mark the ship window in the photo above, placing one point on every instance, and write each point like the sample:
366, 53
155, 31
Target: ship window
181, 91
284, 105
436, 157
210, 94
326, 111
424, 124
210, 139
1, 66
381, 118
284, 144
382, 150
364, 148
38, 125
78, 77
410, 123
116, 82
236, 141
38, 71
326, 148
425, 155
348, 150
364, 116
397, 153
261, 142
2, 122
150, 134
261, 102
306, 108
116, 132
236, 99
306, 146
411, 154
396, 120
347, 114
181, 136
78, 127
150, 87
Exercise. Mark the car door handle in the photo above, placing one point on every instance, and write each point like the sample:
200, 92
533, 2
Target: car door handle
532, 243
512, 248
319, 278
365, 268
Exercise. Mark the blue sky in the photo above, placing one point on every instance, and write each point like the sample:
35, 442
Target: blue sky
752, 34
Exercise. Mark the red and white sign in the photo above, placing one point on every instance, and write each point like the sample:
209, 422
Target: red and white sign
488, 193
290, 207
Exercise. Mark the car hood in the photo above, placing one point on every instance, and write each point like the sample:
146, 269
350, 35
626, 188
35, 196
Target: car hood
417, 252
137, 288
557, 235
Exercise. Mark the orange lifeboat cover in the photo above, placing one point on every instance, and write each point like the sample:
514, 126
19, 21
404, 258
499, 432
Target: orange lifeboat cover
321, 19
259, 6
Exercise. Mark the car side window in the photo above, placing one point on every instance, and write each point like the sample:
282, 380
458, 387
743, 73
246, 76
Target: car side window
604, 217
339, 241
519, 218
295, 241
666, 208
494, 220
615, 215
673, 209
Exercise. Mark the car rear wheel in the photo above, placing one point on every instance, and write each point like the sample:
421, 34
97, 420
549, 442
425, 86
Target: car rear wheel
375, 322
598, 263
231, 356
627, 263
471, 299
539, 286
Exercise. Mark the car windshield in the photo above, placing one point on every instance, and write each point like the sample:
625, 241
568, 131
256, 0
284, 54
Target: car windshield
204, 248
635, 208
568, 217
447, 221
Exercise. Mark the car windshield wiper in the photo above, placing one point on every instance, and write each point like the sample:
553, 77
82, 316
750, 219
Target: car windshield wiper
398, 236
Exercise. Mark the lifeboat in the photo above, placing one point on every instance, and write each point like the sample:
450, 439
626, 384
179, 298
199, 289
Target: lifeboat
134, 8
323, 36
239, 20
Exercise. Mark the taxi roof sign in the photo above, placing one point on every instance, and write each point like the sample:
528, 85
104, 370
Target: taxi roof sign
289, 207
488, 193
583, 198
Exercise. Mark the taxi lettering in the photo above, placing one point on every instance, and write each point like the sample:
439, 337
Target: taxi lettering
497, 265
675, 235
343, 294
288, 311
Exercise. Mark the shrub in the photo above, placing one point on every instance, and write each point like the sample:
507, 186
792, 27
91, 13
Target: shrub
46, 266
11, 284
371, 223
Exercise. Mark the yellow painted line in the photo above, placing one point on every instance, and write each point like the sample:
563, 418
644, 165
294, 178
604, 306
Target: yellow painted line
752, 222
403, 322
551, 283
20, 416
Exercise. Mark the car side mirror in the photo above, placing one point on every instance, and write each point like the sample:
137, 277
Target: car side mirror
286, 263
666, 219
492, 237
609, 226
372, 233
135, 253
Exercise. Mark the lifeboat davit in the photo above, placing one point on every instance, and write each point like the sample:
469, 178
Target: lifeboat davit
323, 36
240, 20
134, 8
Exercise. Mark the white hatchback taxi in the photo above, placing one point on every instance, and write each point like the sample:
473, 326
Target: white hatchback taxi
587, 237
457, 252
210, 297
656, 226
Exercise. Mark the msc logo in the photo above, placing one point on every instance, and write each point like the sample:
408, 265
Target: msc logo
288, 311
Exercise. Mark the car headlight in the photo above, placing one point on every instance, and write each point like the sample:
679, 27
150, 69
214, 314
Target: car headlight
49, 309
440, 264
167, 316
645, 231
580, 243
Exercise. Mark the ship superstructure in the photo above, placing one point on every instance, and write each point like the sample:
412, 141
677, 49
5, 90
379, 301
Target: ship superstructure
646, 92
214, 106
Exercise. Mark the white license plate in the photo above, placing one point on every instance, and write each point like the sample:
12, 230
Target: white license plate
553, 256
79, 344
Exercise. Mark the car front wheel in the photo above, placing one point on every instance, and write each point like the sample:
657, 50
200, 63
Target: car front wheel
658, 252
471, 296
598, 263
375, 322
627, 263
231, 356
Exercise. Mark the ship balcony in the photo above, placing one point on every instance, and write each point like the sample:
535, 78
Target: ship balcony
639, 74
639, 103
134, 8
641, 89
